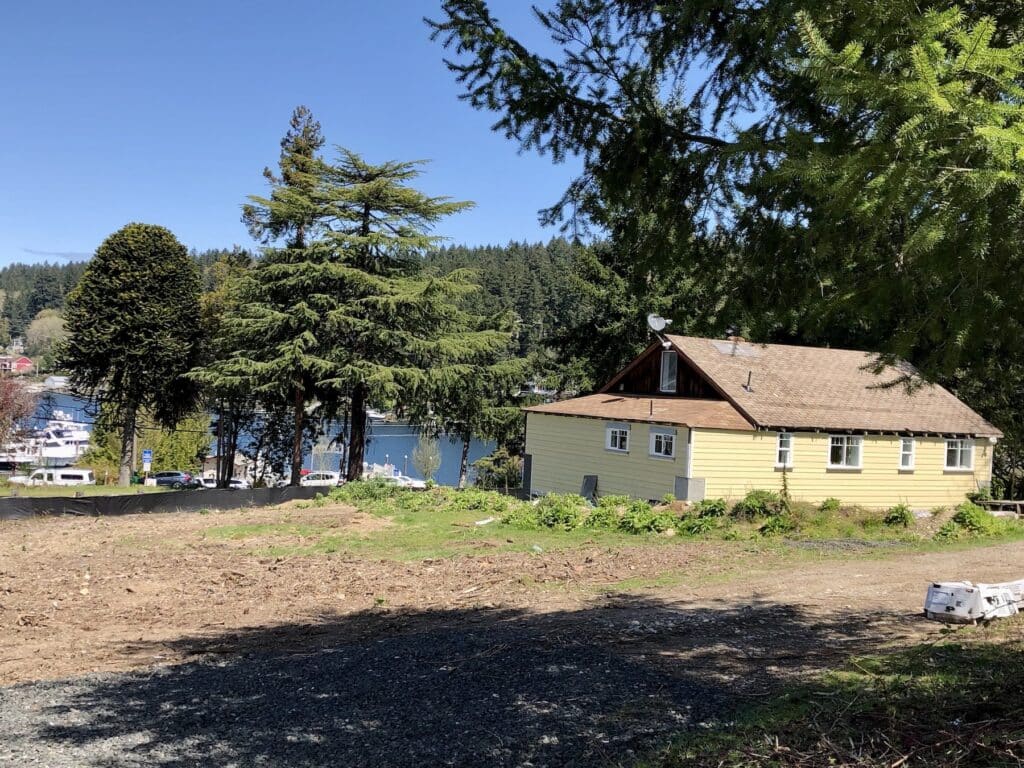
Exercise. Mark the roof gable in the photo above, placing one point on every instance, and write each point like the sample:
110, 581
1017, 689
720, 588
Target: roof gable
818, 388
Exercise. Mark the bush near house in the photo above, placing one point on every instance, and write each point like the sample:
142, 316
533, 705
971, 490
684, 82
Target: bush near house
900, 515
757, 503
761, 515
710, 508
831, 504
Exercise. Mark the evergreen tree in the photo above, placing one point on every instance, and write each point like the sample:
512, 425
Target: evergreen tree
134, 331
862, 159
46, 293
229, 398
398, 336
340, 313
278, 317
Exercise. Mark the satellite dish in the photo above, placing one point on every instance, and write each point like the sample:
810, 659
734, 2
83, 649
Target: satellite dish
657, 323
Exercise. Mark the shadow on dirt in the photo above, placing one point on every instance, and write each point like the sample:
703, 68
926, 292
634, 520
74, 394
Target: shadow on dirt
490, 687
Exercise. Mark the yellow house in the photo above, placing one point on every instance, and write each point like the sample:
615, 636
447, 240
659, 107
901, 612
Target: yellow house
705, 418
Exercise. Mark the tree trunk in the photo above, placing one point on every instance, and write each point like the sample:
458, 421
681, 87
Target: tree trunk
357, 441
124, 473
464, 462
220, 444
300, 414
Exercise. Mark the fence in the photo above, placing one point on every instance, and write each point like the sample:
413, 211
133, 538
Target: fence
20, 507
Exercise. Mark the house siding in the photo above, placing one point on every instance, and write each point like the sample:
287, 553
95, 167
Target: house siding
733, 463
566, 448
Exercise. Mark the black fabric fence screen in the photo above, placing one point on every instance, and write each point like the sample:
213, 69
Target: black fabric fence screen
20, 507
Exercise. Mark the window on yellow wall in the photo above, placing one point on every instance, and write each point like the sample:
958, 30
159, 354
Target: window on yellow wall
844, 451
663, 444
906, 453
617, 439
959, 454
784, 450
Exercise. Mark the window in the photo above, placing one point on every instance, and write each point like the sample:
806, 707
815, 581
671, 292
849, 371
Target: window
784, 451
617, 438
844, 451
663, 444
669, 370
959, 454
906, 453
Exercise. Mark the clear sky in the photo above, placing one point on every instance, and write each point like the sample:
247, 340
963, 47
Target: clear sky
167, 112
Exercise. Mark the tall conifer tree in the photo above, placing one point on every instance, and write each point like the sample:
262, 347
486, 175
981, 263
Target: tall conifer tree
134, 331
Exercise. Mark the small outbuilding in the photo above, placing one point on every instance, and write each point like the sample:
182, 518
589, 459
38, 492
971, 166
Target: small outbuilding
704, 418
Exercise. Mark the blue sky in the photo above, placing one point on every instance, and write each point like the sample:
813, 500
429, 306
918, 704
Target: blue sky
167, 113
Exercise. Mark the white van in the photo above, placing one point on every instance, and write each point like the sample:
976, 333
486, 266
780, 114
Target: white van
50, 476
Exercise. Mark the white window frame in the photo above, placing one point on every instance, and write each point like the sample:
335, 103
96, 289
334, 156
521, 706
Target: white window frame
858, 440
670, 385
663, 434
965, 444
912, 453
613, 430
788, 463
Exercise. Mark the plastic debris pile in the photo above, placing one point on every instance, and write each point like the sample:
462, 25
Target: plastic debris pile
961, 602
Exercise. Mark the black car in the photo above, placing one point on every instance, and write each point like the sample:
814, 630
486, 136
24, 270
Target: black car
176, 479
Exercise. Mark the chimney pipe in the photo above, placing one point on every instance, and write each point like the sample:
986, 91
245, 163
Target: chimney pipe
750, 380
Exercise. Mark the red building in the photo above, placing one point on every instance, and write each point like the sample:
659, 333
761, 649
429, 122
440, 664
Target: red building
11, 364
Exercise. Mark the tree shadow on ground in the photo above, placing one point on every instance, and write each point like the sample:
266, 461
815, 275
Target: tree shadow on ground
495, 687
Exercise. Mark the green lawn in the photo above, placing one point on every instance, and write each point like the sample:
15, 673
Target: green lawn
420, 534
958, 702
442, 523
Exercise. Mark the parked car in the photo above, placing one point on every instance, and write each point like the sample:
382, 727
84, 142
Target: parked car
237, 483
320, 479
50, 476
176, 479
405, 481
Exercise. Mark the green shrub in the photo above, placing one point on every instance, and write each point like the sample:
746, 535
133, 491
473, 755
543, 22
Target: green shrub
562, 511
668, 498
696, 526
777, 525
710, 508
757, 503
478, 501
970, 520
899, 516
603, 516
366, 490
973, 518
524, 517
613, 502
982, 494
831, 504
639, 517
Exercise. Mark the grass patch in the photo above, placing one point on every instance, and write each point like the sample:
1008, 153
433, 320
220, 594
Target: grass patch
437, 523
238, 532
442, 522
957, 703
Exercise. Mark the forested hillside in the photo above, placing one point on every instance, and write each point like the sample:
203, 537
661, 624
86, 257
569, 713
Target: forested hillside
27, 289
530, 279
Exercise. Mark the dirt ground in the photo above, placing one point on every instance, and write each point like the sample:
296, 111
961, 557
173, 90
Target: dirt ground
87, 595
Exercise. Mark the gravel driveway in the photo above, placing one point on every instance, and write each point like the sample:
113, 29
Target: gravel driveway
455, 688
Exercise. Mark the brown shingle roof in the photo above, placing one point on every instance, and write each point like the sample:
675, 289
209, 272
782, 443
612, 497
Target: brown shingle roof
815, 388
685, 412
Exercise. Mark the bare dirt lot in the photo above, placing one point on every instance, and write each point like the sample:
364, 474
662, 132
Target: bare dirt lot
192, 649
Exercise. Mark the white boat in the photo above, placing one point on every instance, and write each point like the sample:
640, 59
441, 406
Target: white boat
61, 442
